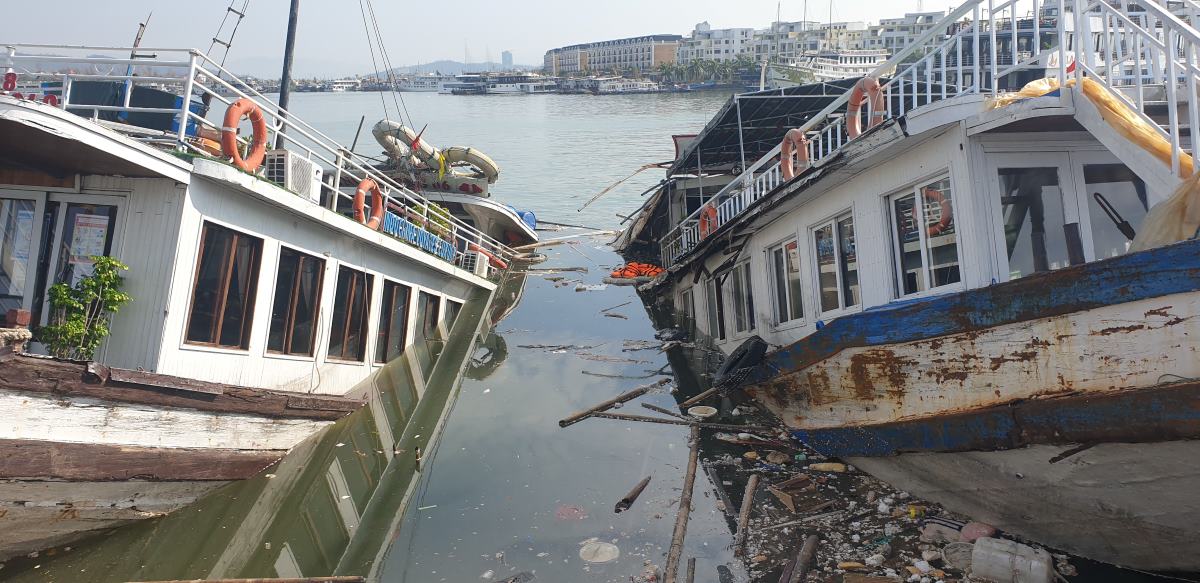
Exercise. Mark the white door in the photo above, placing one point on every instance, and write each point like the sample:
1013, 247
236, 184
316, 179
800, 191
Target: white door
1034, 213
80, 226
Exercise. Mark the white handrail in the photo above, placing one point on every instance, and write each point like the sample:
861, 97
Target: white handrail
1161, 46
201, 74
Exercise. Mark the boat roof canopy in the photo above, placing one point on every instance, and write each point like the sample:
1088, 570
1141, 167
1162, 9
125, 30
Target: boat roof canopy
765, 117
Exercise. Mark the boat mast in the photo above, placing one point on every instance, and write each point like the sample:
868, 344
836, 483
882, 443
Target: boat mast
285, 80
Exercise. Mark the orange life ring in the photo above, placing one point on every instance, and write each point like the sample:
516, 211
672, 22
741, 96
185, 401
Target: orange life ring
258, 145
708, 220
492, 259
866, 88
360, 203
794, 143
934, 195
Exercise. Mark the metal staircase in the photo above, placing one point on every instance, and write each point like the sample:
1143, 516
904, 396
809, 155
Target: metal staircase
1147, 53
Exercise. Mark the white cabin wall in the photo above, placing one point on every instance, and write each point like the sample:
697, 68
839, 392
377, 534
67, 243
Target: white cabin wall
865, 193
149, 219
208, 200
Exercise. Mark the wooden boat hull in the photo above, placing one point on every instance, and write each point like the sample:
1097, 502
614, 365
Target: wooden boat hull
953, 396
86, 448
1129, 504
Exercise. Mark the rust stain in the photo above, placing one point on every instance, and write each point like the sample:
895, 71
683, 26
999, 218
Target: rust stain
1159, 312
1115, 329
879, 367
819, 386
1024, 356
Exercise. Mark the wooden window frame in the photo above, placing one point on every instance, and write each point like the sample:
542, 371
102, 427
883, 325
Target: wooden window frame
223, 294
387, 305
369, 282
290, 321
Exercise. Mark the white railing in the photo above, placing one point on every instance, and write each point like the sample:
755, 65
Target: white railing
1122, 48
188, 72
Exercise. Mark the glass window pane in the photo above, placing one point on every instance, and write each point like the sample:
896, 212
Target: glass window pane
281, 305
779, 275
1125, 193
452, 310
827, 267
848, 261
1034, 223
308, 298
908, 244
739, 301
239, 296
941, 233
337, 324
711, 301
206, 294
356, 331
393, 322
16, 239
87, 231
795, 297
748, 305
294, 311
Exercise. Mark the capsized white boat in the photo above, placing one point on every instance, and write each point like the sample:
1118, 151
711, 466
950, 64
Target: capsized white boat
457, 178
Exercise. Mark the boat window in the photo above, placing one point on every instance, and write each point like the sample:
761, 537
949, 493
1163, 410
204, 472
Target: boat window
1034, 220
16, 239
924, 237
297, 300
452, 310
351, 303
1117, 203
393, 322
716, 309
743, 298
226, 282
429, 306
837, 263
688, 309
785, 281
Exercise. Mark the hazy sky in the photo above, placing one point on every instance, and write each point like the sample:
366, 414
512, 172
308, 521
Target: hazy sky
331, 39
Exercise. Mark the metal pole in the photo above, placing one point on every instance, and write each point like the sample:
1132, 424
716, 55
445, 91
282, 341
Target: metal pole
741, 143
285, 80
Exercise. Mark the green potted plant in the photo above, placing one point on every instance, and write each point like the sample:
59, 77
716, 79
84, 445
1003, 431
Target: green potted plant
79, 314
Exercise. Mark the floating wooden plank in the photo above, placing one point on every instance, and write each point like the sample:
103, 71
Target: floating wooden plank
671, 571
89, 462
609, 404
744, 515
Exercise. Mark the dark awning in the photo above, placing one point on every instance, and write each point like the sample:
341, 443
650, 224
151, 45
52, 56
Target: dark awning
765, 117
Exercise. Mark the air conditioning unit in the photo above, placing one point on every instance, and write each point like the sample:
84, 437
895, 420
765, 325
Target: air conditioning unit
295, 173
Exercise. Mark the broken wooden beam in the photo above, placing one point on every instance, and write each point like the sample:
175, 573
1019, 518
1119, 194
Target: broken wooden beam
671, 572
702, 396
664, 411
609, 404
691, 570
624, 503
720, 426
804, 559
744, 516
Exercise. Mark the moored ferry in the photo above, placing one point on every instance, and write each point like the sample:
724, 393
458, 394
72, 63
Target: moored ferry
270, 269
977, 278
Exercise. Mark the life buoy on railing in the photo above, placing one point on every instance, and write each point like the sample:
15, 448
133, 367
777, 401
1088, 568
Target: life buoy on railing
258, 144
794, 143
492, 259
708, 220
360, 203
933, 195
865, 89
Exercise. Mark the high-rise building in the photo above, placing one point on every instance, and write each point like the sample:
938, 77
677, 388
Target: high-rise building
506, 60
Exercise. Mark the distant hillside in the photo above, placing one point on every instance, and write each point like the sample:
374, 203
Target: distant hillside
446, 67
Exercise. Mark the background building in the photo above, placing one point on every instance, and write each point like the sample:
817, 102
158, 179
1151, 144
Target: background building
641, 53
719, 44
506, 60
